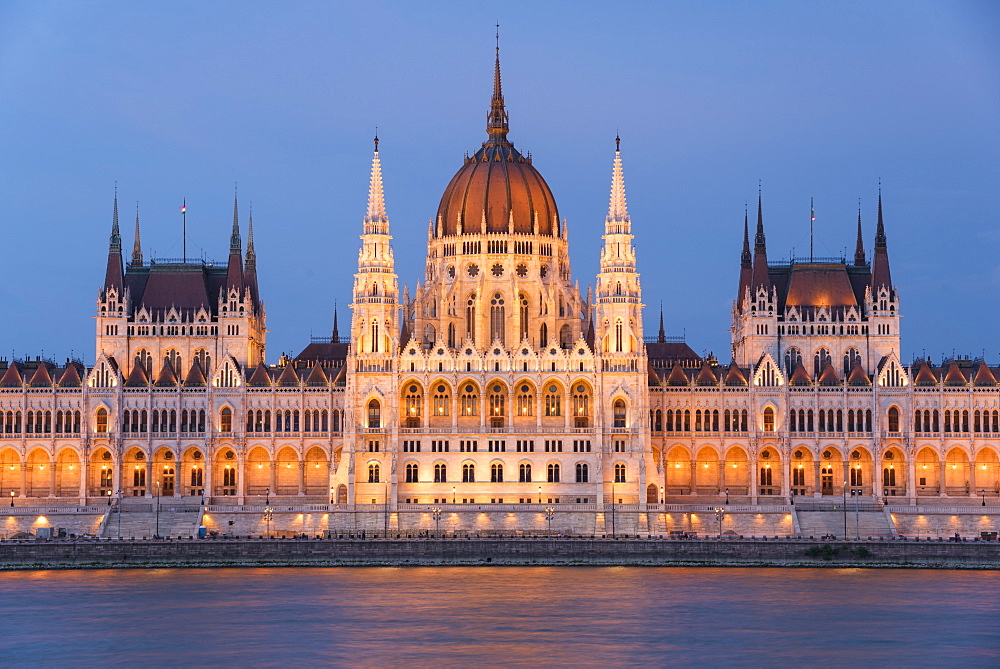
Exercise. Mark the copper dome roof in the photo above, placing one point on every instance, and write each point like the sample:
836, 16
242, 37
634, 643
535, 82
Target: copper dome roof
497, 190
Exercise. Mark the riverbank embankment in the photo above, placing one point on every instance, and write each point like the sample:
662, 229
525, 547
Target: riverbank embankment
551, 551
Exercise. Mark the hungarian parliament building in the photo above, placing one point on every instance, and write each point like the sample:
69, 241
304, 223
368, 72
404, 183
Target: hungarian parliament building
497, 381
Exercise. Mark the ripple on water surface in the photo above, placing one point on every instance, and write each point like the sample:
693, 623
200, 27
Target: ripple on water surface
462, 616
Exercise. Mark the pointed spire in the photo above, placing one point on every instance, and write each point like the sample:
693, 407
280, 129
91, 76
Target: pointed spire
251, 257
496, 119
116, 237
880, 230
618, 219
250, 267
336, 330
114, 275
859, 249
760, 242
235, 243
880, 260
234, 274
661, 337
760, 273
137, 245
376, 219
746, 260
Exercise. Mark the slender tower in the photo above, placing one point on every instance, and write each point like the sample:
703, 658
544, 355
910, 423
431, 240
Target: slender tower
375, 324
619, 297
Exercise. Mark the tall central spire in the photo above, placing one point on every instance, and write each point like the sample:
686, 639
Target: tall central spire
618, 219
496, 119
376, 219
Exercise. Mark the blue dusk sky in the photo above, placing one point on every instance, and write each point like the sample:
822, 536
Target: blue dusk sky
812, 100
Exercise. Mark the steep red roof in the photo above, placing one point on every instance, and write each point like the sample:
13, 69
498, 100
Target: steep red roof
195, 376
706, 377
12, 377
820, 285
735, 376
316, 377
857, 377
288, 377
71, 377
41, 378
260, 378
137, 378
925, 376
167, 378
828, 377
983, 376
677, 377
955, 376
800, 377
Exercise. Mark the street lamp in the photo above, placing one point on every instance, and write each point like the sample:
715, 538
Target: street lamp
719, 513
453, 498
981, 492
120, 492
156, 534
727, 496
539, 494
436, 512
613, 507
856, 494
267, 496
845, 509
662, 498
549, 513
109, 499
268, 515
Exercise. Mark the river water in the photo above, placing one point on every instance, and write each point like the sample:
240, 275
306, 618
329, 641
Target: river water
512, 616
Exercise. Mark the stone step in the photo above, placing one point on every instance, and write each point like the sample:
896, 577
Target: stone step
141, 524
820, 523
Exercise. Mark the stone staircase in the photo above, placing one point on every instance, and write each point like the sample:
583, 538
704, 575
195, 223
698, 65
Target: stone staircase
140, 521
822, 519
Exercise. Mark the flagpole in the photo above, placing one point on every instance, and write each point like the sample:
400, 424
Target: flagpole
812, 220
184, 235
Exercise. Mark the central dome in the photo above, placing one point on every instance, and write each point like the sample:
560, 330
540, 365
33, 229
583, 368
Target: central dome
497, 191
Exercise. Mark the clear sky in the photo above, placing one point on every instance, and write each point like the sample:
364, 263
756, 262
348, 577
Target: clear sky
811, 99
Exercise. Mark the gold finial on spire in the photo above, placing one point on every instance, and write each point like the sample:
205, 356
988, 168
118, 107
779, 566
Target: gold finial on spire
376, 139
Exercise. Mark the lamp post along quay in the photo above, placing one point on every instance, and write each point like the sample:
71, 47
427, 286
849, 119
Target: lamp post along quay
120, 492
550, 512
856, 494
436, 512
156, 533
719, 515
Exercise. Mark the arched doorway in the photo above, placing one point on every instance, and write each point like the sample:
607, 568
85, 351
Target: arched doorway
652, 494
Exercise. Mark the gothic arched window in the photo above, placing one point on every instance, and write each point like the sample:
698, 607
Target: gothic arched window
851, 358
497, 311
820, 360
793, 357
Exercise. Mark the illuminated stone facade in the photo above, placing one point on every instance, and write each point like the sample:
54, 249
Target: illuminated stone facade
498, 382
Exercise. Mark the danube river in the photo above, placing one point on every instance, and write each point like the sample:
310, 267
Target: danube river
513, 616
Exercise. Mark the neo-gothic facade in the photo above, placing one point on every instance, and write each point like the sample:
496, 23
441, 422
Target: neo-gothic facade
497, 381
